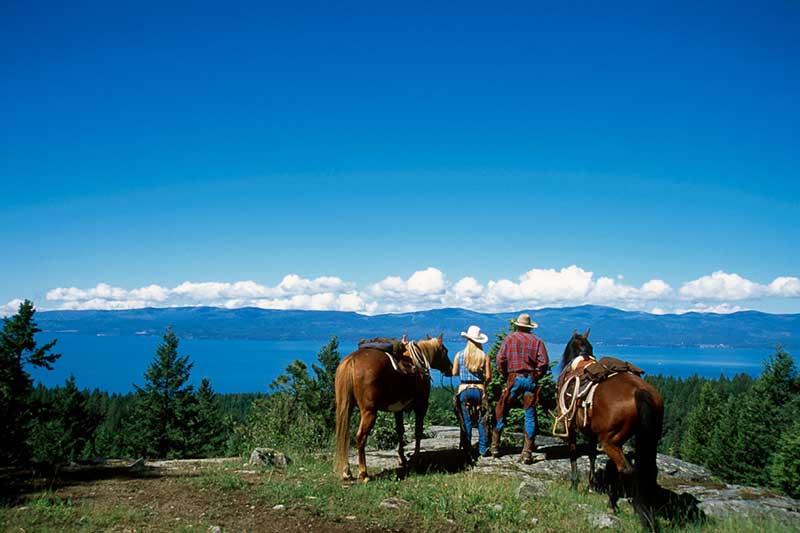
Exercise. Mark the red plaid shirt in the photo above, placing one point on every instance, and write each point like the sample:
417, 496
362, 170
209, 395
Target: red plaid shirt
522, 352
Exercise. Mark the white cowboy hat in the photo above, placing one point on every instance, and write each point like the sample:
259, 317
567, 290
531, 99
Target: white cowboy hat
524, 321
474, 334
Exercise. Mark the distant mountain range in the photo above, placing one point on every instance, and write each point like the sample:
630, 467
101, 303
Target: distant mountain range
609, 326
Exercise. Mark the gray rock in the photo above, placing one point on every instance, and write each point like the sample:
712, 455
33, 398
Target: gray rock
269, 457
278, 507
394, 503
531, 489
598, 519
214, 529
683, 479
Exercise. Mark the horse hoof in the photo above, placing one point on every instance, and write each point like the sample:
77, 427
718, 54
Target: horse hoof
364, 478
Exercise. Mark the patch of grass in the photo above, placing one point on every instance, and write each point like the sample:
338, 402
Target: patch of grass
47, 512
437, 501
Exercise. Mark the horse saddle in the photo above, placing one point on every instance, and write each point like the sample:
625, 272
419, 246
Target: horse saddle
394, 349
390, 346
608, 366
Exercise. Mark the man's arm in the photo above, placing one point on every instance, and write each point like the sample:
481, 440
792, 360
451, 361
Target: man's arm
542, 360
502, 358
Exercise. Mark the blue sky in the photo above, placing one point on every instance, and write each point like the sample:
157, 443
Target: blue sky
549, 155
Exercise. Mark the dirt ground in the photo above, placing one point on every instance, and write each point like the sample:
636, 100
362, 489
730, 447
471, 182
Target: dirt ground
171, 497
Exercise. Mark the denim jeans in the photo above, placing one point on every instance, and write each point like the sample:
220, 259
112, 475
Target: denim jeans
474, 396
525, 386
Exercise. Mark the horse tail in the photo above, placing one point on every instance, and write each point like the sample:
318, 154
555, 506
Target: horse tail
344, 407
650, 417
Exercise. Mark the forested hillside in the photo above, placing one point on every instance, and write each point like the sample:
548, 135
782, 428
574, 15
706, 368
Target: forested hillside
610, 326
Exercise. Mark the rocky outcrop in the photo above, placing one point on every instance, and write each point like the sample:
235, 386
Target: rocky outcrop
269, 457
684, 482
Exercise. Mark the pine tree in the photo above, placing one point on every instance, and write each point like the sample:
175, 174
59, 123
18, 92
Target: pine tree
764, 413
324, 386
18, 350
785, 464
705, 415
209, 432
720, 453
165, 405
64, 425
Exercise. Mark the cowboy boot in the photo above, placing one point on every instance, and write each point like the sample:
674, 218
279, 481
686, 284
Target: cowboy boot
527, 449
495, 447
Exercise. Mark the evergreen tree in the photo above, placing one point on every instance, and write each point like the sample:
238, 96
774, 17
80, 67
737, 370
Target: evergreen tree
18, 350
63, 429
764, 414
785, 463
165, 406
209, 433
324, 386
720, 453
696, 446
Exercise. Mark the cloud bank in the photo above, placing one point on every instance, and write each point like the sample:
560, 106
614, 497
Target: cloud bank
718, 292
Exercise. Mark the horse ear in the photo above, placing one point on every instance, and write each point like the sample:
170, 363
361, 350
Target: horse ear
575, 332
586, 335
441, 338
427, 337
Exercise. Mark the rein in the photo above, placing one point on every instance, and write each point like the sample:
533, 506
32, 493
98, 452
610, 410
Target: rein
419, 359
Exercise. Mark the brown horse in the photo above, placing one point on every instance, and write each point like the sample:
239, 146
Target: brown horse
370, 379
624, 405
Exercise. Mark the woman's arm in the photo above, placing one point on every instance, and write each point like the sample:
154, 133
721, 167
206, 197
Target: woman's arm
488, 370
455, 366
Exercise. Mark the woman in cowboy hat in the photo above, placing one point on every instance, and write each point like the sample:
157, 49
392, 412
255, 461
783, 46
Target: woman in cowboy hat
472, 367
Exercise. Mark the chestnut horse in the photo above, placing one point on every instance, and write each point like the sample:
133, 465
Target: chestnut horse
624, 405
370, 379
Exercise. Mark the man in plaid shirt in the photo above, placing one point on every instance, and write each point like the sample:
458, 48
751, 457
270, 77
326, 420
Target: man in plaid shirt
522, 361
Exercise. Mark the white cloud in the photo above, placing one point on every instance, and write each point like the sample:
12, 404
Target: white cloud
785, 286
422, 283
721, 309
724, 286
426, 282
429, 288
467, 288
721, 286
10, 308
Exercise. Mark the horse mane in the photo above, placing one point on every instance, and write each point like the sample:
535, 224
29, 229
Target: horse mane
569, 354
429, 346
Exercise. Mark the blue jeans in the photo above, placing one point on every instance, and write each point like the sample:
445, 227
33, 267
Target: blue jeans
474, 396
525, 386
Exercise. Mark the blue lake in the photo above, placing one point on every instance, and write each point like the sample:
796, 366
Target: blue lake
235, 365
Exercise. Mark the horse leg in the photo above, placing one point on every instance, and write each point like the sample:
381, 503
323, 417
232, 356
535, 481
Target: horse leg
573, 459
623, 469
398, 426
592, 459
367, 421
419, 418
612, 482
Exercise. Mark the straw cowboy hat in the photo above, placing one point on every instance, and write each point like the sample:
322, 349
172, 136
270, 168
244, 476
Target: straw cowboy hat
524, 321
474, 334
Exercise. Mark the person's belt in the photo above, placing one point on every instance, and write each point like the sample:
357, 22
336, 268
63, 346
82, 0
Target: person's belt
468, 382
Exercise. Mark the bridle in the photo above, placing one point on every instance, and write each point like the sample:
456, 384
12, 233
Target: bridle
419, 359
